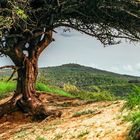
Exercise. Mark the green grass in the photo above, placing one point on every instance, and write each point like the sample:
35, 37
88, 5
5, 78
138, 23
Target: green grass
96, 96
133, 98
133, 104
7, 87
45, 88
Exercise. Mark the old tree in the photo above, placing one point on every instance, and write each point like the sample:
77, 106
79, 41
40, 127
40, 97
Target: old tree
27, 26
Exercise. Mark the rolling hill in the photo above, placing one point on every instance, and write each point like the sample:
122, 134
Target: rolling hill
84, 78
87, 78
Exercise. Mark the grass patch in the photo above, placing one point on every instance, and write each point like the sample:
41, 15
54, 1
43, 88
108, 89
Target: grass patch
85, 112
40, 138
6, 87
82, 134
43, 87
133, 98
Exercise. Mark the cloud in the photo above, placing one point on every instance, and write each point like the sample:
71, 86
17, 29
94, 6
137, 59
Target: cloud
115, 69
128, 68
137, 66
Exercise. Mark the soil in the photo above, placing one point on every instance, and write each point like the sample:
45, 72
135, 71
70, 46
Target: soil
80, 120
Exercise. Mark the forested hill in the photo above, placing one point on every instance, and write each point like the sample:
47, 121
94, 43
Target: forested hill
87, 78
84, 78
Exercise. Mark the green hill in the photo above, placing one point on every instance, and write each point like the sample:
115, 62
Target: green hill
87, 78
84, 78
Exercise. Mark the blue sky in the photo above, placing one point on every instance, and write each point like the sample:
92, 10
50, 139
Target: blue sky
74, 47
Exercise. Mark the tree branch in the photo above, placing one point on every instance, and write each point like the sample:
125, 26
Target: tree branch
7, 67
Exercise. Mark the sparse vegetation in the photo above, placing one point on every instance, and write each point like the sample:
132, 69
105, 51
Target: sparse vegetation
71, 88
82, 133
84, 112
58, 136
96, 96
40, 138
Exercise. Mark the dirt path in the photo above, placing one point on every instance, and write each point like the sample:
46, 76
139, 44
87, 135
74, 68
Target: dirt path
80, 121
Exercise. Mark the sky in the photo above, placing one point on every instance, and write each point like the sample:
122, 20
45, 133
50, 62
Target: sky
74, 47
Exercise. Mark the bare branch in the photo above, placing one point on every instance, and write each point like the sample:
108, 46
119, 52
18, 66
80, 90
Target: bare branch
13, 73
8, 67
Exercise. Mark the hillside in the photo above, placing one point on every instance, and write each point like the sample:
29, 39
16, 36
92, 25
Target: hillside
84, 78
87, 78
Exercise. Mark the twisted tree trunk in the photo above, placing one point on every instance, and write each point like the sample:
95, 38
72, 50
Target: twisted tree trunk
25, 98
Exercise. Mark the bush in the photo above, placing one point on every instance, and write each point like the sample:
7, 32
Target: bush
96, 96
133, 102
135, 130
71, 88
133, 98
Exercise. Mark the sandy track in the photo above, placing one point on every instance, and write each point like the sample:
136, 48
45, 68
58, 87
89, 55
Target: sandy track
102, 122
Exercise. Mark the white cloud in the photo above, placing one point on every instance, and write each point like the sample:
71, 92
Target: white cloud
114, 69
137, 66
128, 68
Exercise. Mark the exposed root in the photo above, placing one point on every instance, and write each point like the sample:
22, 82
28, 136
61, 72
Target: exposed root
32, 107
7, 108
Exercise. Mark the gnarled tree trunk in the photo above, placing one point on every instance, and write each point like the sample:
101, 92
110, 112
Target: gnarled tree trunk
25, 98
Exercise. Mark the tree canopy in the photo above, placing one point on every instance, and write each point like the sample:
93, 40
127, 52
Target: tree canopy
27, 26
103, 19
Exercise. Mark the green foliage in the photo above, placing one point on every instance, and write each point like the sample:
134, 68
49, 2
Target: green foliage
21, 13
71, 88
133, 98
43, 87
96, 96
88, 79
134, 117
133, 103
5, 22
5, 88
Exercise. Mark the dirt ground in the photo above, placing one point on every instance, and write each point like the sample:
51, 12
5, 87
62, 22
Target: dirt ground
80, 121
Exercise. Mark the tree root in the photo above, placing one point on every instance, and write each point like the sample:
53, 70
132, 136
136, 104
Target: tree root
33, 107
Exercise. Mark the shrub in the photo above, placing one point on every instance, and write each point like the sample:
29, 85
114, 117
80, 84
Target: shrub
133, 102
133, 98
96, 96
84, 112
71, 88
135, 130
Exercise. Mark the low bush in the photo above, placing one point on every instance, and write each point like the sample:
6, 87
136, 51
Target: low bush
133, 98
71, 88
96, 96
133, 104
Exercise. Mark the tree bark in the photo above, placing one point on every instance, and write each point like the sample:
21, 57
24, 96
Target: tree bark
25, 97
